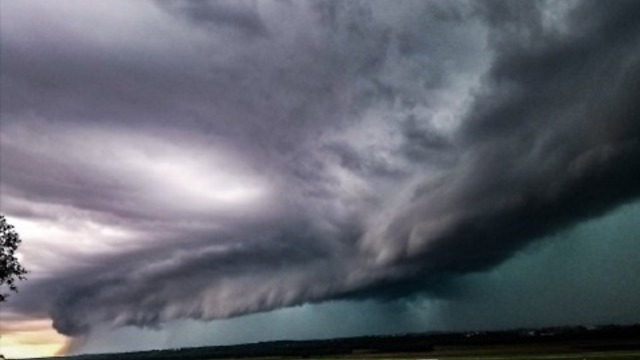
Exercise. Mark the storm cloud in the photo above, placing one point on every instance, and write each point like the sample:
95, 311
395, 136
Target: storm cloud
215, 159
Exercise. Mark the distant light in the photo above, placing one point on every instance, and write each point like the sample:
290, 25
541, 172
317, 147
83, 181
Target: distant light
194, 183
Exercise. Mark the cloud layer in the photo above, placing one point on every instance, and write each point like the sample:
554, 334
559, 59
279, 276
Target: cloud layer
226, 158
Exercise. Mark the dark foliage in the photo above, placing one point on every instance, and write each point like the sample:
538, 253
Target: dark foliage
10, 269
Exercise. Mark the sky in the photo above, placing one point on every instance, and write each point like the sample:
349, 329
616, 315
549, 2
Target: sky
191, 173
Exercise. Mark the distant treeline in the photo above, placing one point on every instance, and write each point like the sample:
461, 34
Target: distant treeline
596, 338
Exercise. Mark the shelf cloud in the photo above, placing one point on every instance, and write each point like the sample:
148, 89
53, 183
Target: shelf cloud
207, 160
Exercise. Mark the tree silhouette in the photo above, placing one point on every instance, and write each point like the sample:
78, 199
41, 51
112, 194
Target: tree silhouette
10, 269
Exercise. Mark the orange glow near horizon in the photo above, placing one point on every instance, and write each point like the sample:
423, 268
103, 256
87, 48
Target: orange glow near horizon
30, 338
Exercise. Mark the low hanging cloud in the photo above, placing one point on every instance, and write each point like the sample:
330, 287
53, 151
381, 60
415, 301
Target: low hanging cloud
219, 161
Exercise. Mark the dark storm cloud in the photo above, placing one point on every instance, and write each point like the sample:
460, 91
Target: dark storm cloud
211, 276
396, 147
233, 14
552, 138
423, 143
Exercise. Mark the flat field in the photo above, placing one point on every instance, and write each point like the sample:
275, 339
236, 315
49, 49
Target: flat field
624, 355
496, 353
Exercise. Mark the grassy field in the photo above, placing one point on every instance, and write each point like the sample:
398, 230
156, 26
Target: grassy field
577, 356
525, 355
532, 353
626, 355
